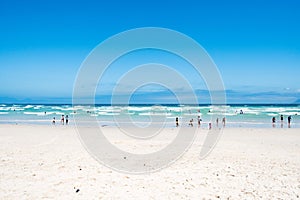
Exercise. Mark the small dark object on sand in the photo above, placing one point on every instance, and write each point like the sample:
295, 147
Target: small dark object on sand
77, 190
124, 157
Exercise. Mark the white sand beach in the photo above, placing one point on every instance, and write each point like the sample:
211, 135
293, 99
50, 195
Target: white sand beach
49, 162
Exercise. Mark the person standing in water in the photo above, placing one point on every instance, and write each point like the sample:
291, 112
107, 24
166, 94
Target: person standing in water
53, 121
289, 121
191, 122
199, 121
224, 121
281, 120
62, 119
67, 119
273, 121
177, 123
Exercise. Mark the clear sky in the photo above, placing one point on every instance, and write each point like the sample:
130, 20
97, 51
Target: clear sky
255, 44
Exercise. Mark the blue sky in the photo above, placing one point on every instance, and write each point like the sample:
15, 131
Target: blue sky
255, 44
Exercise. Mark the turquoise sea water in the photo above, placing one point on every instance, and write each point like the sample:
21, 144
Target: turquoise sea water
141, 115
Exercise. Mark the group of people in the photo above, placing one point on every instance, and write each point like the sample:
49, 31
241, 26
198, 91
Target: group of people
62, 120
200, 120
289, 119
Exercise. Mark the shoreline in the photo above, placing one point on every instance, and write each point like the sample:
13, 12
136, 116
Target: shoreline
203, 126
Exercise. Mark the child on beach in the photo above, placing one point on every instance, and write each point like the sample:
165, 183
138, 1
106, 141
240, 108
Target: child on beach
209, 125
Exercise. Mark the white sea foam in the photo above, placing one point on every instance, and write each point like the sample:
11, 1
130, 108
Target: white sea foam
3, 113
279, 109
227, 114
5, 108
81, 107
67, 109
252, 112
114, 110
107, 113
58, 113
219, 108
288, 113
111, 114
220, 114
34, 113
28, 106
54, 113
155, 114
38, 107
249, 111
139, 108
101, 113
55, 107
173, 117
130, 113
191, 114
16, 108
43, 113
272, 114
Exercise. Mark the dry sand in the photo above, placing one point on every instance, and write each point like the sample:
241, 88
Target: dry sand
49, 162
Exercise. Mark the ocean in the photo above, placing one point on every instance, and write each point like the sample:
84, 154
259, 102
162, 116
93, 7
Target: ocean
247, 116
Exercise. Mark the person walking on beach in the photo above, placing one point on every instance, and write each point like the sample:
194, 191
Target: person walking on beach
177, 123
62, 119
217, 122
53, 121
67, 119
281, 120
289, 121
